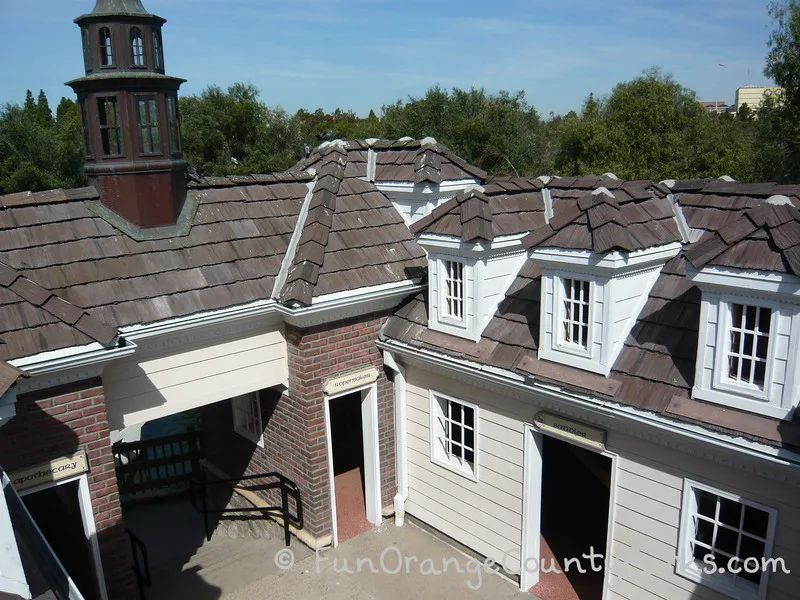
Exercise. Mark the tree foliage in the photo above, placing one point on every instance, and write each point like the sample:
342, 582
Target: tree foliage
38, 152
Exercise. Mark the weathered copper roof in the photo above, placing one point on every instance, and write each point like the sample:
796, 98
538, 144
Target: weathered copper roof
116, 7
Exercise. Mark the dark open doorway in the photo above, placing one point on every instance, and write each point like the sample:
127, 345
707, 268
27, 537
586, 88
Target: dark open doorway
347, 446
576, 485
57, 512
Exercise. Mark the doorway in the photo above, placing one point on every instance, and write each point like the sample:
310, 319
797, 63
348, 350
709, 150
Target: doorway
568, 496
353, 462
59, 513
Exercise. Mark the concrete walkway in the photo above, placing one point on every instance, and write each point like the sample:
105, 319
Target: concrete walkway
398, 563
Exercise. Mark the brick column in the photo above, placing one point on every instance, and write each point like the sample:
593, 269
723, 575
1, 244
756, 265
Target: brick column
61, 421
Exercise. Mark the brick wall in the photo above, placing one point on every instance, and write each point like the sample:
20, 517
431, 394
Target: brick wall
61, 421
294, 423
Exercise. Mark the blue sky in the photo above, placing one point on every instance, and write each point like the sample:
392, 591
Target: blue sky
362, 54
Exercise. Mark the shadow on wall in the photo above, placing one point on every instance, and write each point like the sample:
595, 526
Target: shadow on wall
34, 436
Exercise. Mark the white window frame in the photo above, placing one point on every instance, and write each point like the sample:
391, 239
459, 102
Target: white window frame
560, 316
438, 436
247, 417
721, 380
690, 568
444, 315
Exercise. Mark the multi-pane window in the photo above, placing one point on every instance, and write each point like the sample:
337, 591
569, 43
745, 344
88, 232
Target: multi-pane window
724, 538
173, 122
453, 433
158, 56
147, 118
749, 344
247, 417
110, 132
453, 300
106, 47
87, 56
137, 47
576, 312
87, 142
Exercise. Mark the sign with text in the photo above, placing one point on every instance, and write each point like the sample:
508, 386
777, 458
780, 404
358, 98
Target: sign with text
571, 431
351, 381
49, 472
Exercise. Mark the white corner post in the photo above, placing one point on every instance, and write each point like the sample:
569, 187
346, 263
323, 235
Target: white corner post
400, 437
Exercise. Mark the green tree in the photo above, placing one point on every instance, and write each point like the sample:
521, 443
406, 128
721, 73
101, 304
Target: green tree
779, 122
233, 132
44, 116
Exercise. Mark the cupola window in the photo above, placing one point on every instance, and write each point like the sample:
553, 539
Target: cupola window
87, 144
106, 47
110, 132
87, 57
173, 121
137, 47
158, 55
147, 115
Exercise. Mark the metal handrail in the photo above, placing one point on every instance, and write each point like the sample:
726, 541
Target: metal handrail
287, 488
143, 578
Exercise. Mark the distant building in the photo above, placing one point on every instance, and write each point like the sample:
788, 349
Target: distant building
754, 96
717, 107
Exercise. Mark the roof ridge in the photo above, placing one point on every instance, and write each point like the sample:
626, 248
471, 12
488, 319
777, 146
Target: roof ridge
9, 375
66, 312
305, 264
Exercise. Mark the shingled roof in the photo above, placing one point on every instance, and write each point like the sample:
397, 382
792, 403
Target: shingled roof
607, 215
405, 160
349, 237
764, 238
504, 206
8, 376
35, 319
655, 370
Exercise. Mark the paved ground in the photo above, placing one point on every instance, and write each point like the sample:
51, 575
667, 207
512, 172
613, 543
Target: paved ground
417, 554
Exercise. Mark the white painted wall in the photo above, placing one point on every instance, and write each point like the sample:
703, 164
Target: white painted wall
486, 515
146, 387
494, 276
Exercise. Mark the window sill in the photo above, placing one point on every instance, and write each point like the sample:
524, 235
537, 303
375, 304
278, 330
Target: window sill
456, 467
737, 400
722, 583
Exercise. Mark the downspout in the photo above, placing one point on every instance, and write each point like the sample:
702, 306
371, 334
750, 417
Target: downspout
400, 437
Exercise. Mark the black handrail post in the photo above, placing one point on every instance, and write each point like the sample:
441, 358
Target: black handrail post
285, 510
204, 493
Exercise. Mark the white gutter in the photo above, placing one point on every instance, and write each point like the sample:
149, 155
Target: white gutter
92, 355
775, 456
400, 437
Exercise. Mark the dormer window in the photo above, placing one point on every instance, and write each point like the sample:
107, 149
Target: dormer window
749, 345
106, 47
453, 289
137, 47
577, 307
746, 356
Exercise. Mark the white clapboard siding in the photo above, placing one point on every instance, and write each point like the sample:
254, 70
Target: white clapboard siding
485, 515
647, 519
140, 389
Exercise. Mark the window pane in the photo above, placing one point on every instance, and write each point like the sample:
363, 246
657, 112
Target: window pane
755, 521
704, 532
727, 541
730, 512
706, 503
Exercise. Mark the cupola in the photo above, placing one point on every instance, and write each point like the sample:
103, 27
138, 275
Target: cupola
130, 117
